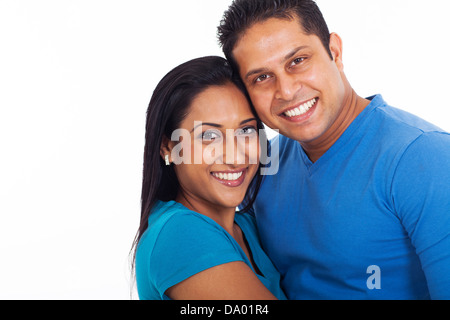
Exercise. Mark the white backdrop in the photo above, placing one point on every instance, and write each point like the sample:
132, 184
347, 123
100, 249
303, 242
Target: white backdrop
75, 81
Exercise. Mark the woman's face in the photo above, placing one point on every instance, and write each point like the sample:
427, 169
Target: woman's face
219, 149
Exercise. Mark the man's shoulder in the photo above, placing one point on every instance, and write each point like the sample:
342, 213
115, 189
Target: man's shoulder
393, 129
401, 119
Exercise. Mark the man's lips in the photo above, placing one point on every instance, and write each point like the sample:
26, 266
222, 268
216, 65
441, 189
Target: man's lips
299, 110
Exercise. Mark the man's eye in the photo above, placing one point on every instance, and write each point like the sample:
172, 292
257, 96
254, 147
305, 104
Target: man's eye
261, 78
297, 61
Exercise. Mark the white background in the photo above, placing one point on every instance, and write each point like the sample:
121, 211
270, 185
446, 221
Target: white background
75, 81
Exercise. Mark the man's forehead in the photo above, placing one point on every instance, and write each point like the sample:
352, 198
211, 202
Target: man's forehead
273, 40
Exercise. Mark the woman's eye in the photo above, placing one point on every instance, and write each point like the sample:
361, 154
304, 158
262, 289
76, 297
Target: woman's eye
247, 131
210, 135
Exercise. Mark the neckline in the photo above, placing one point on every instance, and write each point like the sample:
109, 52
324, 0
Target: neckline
375, 101
250, 246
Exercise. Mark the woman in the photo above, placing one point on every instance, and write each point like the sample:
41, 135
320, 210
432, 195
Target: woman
200, 163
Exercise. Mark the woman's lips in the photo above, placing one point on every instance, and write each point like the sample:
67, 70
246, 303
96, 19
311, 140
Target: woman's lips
231, 178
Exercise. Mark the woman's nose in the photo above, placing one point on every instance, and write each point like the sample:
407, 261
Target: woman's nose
240, 149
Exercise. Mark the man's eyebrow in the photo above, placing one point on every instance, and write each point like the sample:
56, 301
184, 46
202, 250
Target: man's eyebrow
256, 71
218, 125
286, 57
293, 52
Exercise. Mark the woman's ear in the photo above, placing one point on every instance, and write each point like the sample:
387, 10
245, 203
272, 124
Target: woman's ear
165, 150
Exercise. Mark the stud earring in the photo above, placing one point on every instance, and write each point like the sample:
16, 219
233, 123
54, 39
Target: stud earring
166, 158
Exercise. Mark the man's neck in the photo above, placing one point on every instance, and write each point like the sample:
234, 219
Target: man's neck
353, 106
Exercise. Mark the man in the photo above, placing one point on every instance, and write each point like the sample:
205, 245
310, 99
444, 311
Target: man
360, 207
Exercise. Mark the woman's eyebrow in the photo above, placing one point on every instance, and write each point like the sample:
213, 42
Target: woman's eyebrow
248, 120
216, 125
207, 124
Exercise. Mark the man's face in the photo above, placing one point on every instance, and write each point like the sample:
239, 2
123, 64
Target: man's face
294, 84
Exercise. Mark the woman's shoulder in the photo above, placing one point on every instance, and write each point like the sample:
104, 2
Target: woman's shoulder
172, 214
178, 244
172, 223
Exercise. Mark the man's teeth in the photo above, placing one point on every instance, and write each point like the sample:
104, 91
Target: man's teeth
228, 176
301, 109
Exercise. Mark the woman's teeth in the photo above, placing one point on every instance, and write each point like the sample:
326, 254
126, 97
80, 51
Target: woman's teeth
301, 109
227, 176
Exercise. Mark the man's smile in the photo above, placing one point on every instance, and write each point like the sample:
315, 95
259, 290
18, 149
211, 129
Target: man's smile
301, 109
300, 112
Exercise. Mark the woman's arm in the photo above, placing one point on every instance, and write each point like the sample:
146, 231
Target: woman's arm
229, 281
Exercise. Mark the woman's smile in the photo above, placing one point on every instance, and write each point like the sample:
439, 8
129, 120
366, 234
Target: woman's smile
230, 178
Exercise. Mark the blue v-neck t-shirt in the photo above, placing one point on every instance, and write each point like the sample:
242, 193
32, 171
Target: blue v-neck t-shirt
370, 219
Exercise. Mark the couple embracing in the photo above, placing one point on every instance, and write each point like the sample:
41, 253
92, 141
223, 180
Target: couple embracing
350, 201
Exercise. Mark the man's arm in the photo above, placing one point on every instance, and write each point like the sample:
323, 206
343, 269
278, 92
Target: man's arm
421, 196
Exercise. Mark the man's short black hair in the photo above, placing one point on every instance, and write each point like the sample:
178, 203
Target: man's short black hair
243, 14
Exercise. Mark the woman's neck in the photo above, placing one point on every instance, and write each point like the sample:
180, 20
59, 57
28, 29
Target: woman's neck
223, 216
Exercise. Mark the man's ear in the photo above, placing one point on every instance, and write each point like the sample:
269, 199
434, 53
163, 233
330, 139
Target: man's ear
336, 50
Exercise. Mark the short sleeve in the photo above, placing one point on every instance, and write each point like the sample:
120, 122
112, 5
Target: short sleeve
421, 196
186, 245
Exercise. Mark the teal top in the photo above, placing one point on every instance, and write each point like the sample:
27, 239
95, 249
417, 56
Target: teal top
180, 243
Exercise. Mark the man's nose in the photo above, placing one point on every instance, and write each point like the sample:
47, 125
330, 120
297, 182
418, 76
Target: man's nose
287, 87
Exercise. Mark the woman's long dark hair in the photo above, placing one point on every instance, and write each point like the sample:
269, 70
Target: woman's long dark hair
169, 105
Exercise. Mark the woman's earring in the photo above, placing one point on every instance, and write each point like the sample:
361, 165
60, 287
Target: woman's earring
166, 158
